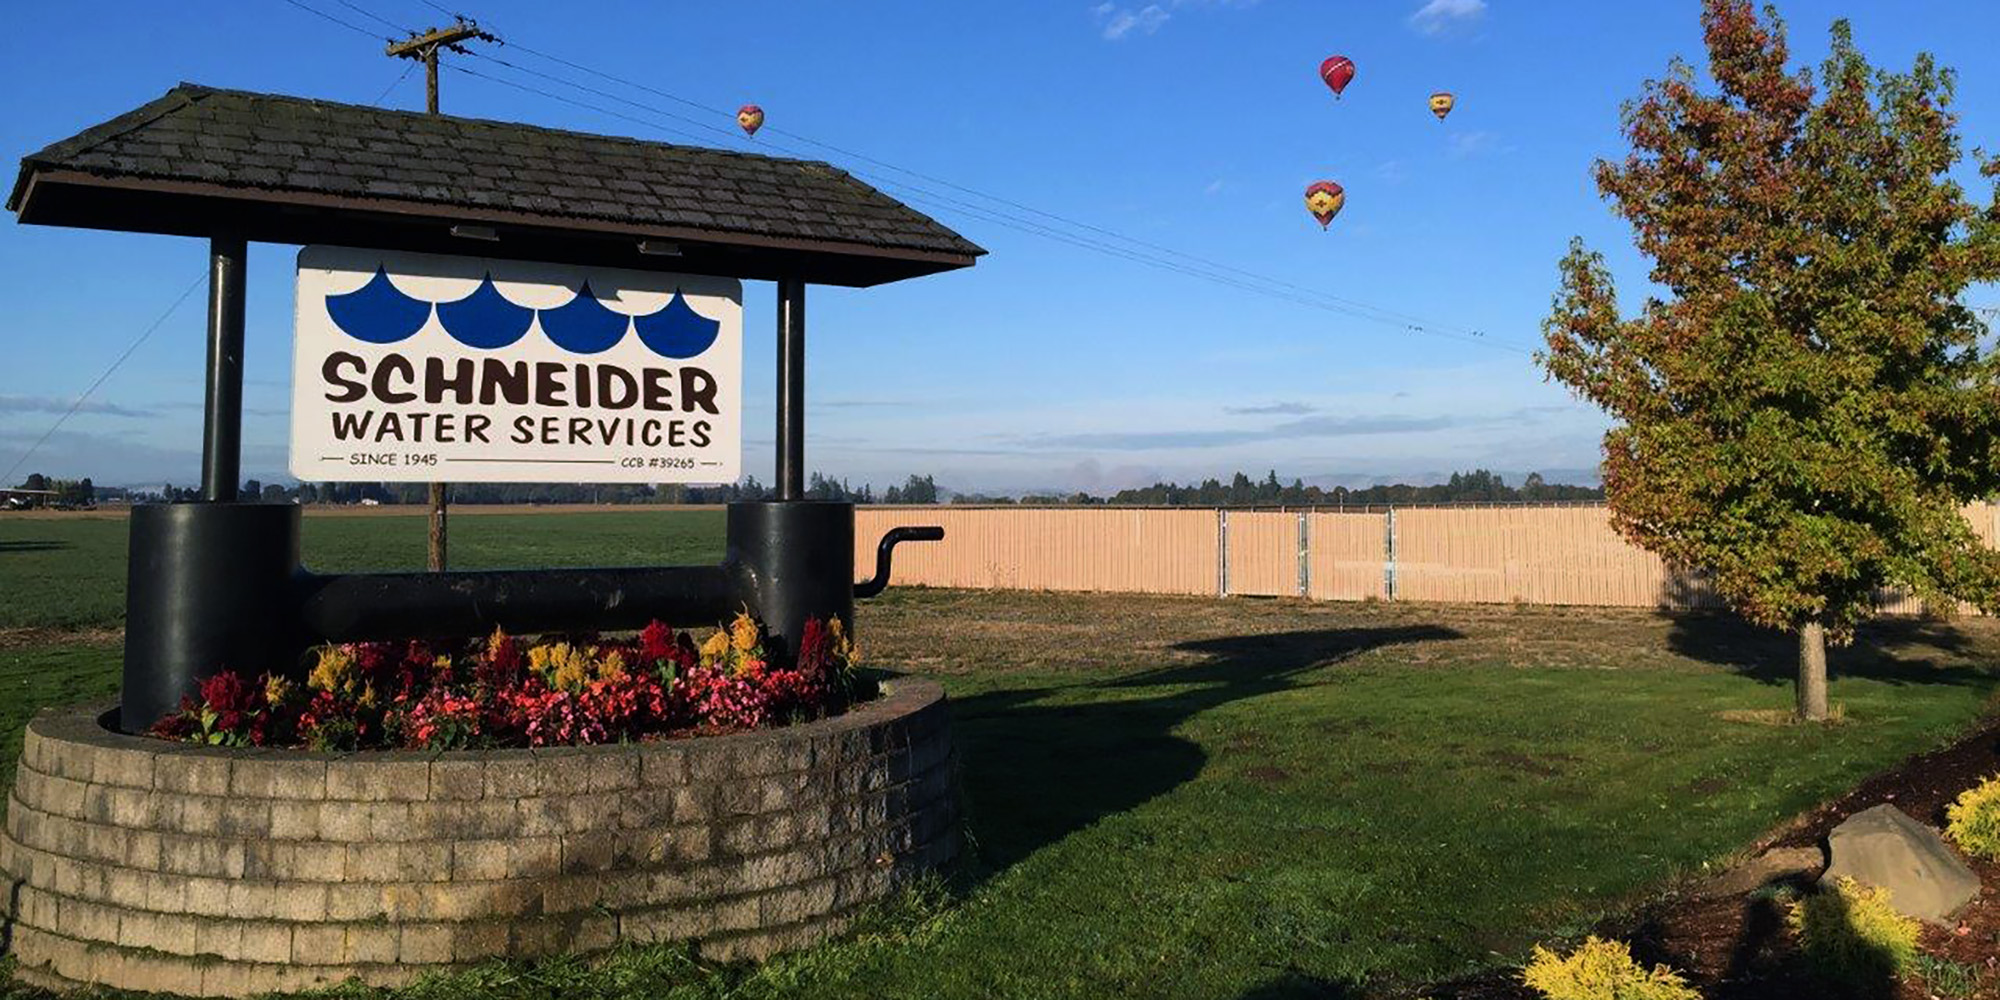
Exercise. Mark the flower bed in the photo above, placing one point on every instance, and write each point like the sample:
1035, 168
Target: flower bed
505, 692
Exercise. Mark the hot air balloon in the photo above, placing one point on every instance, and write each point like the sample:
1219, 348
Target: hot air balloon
1336, 71
1441, 103
751, 117
1323, 200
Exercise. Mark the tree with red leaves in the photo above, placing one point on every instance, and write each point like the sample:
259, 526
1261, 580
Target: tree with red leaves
1804, 407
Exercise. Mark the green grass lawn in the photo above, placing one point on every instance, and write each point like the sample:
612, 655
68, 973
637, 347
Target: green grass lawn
70, 572
1175, 797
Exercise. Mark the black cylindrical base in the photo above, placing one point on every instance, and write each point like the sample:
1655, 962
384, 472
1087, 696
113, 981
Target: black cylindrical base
799, 558
208, 589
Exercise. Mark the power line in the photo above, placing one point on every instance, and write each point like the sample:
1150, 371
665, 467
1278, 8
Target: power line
349, 25
1216, 273
1146, 252
147, 333
384, 95
1100, 230
377, 18
1202, 267
8, 477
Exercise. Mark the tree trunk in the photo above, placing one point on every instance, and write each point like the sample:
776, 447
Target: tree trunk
1812, 673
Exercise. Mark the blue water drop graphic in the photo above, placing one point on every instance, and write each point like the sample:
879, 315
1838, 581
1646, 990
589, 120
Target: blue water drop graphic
485, 319
583, 325
676, 330
378, 312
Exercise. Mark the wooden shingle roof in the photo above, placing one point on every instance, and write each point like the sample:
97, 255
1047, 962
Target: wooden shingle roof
292, 170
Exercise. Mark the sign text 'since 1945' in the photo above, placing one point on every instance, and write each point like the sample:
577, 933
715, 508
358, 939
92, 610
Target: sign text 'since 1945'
417, 367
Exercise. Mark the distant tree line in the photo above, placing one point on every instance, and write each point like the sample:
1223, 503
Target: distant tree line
918, 489
1477, 486
68, 493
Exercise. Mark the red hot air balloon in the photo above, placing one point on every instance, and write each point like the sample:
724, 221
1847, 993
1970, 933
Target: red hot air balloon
1337, 71
751, 117
1323, 200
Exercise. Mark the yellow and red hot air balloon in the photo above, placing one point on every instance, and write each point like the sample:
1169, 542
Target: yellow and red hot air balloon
1323, 200
1441, 103
1336, 72
751, 117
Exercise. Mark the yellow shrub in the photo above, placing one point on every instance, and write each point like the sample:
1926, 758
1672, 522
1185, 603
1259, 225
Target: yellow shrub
1602, 970
1853, 936
1975, 819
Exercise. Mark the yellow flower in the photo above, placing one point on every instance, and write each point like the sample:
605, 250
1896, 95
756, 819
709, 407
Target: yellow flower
715, 647
494, 641
566, 667
334, 672
441, 664
613, 667
844, 649
743, 633
276, 691
367, 699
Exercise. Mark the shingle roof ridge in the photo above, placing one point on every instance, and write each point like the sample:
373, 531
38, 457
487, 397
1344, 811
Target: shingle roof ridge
83, 142
203, 90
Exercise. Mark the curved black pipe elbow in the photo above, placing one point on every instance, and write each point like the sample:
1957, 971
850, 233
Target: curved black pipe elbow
880, 581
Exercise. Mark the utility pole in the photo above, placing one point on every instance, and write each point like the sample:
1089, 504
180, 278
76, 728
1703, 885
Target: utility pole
425, 46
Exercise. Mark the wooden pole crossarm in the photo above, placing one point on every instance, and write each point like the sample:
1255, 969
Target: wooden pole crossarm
421, 46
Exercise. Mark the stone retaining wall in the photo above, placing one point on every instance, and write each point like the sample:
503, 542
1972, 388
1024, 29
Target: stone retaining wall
205, 871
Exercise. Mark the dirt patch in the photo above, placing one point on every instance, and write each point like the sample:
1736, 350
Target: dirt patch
23, 638
1265, 774
1737, 947
1539, 765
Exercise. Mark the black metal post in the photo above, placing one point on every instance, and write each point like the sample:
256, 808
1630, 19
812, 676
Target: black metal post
791, 389
222, 428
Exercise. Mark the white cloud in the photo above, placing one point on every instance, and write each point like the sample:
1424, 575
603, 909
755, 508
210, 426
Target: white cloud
1466, 144
1119, 21
1439, 15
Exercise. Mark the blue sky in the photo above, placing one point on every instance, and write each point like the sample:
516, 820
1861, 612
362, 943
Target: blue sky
1190, 124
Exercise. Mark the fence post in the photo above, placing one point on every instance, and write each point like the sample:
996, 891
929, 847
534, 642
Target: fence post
1221, 552
1305, 557
1389, 557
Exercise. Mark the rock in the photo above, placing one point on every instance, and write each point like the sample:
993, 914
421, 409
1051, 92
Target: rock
1775, 865
1884, 847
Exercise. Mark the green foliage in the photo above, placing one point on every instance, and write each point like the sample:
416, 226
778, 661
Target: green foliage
1806, 407
1602, 970
1973, 822
1853, 937
1946, 979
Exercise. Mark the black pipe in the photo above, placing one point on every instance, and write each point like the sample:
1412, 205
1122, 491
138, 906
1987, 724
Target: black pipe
361, 606
208, 589
875, 584
791, 389
800, 559
222, 422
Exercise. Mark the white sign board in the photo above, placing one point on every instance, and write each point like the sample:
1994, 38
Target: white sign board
413, 367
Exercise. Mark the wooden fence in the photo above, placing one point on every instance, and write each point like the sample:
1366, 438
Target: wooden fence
1532, 555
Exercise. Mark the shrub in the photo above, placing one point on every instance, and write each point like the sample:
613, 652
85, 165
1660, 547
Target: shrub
1853, 937
499, 691
1602, 970
1974, 820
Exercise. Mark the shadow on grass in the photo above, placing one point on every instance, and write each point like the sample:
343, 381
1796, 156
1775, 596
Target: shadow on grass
1034, 773
1293, 985
33, 545
1769, 656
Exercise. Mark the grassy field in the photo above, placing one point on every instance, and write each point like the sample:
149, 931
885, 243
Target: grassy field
69, 572
1176, 797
